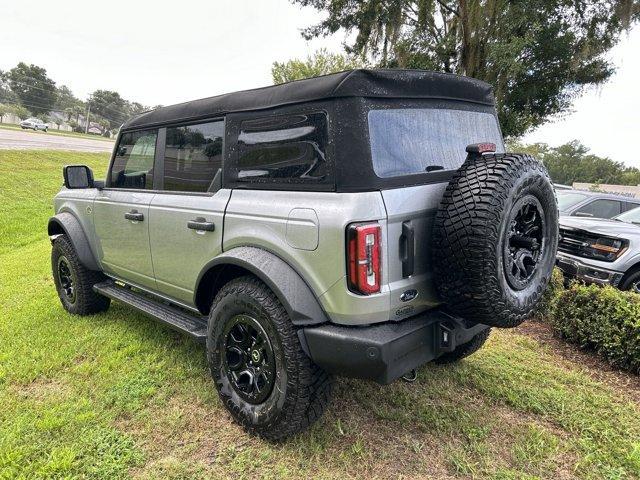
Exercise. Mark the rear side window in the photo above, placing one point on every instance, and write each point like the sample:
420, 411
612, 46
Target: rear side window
410, 141
133, 164
193, 156
283, 148
566, 200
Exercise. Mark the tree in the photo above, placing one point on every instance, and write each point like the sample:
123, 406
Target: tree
20, 112
66, 100
538, 54
136, 108
321, 63
36, 91
6, 95
572, 162
77, 111
108, 105
4, 110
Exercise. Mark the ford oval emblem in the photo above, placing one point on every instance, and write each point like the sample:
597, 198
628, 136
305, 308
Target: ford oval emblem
409, 295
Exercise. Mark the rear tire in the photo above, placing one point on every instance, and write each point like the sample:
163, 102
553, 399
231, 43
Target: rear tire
263, 377
495, 239
74, 282
466, 349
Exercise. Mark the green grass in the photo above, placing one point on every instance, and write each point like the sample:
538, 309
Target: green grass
52, 131
117, 395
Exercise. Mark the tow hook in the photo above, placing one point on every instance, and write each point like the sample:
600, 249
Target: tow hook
411, 376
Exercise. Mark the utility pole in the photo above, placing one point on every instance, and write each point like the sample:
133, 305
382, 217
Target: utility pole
86, 127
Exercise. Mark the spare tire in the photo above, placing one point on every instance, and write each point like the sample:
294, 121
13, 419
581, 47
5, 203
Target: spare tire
495, 239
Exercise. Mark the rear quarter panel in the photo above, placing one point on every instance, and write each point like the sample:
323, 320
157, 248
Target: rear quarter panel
307, 230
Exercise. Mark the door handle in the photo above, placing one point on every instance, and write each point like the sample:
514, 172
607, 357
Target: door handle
201, 224
134, 215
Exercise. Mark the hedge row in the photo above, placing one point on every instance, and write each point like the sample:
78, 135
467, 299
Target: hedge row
601, 318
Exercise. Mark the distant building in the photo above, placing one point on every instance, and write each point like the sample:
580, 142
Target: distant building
95, 128
625, 190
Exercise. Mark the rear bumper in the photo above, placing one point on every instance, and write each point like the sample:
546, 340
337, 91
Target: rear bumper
385, 352
573, 267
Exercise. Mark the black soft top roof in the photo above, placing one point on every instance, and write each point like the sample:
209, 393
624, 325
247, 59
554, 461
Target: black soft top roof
377, 83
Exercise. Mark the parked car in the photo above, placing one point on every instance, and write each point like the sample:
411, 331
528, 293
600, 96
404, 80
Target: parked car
579, 203
361, 224
34, 124
602, 251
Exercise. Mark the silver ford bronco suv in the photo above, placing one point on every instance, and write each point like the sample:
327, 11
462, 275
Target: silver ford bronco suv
362, 224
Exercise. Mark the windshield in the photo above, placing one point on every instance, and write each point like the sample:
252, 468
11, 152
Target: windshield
566, 200
415, 140
632, 216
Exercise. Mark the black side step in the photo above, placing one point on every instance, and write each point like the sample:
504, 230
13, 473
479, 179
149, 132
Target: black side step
192, 324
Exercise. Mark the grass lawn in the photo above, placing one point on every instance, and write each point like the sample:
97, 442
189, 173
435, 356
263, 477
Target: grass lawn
116, 395
62, 133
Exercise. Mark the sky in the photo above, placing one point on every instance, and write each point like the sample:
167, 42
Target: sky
160, 52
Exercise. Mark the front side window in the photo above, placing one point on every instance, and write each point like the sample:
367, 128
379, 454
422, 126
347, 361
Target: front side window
133, 163
289, 148
193, 156
417, 140
600, 209
631, 216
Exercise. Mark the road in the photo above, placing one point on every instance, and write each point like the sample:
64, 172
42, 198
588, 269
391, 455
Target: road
29, 140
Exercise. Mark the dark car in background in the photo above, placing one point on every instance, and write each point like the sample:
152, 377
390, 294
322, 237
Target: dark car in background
578, 203
602, 251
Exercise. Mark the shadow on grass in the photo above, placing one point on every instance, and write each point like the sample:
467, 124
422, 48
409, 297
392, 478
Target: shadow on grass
509, 410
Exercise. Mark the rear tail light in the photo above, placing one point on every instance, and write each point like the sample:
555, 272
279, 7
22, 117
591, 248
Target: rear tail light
363, 258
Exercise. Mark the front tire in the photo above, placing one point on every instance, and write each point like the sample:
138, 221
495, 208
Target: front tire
631, 282
74, 282
263, 377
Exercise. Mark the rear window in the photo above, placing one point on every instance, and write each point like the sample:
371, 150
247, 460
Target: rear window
411, 141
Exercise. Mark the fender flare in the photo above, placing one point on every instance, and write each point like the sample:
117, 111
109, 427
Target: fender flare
299, 301
67, 224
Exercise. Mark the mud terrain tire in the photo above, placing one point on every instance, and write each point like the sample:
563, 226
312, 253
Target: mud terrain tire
495, 239
301, 390
75, 285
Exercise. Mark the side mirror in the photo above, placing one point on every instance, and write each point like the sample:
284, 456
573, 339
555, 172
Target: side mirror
77, 176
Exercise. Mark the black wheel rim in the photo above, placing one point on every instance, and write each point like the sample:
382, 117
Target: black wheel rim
524, 246
635, 287
65, 277
249, 362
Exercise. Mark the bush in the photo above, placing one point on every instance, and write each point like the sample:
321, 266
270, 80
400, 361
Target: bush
602, 318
